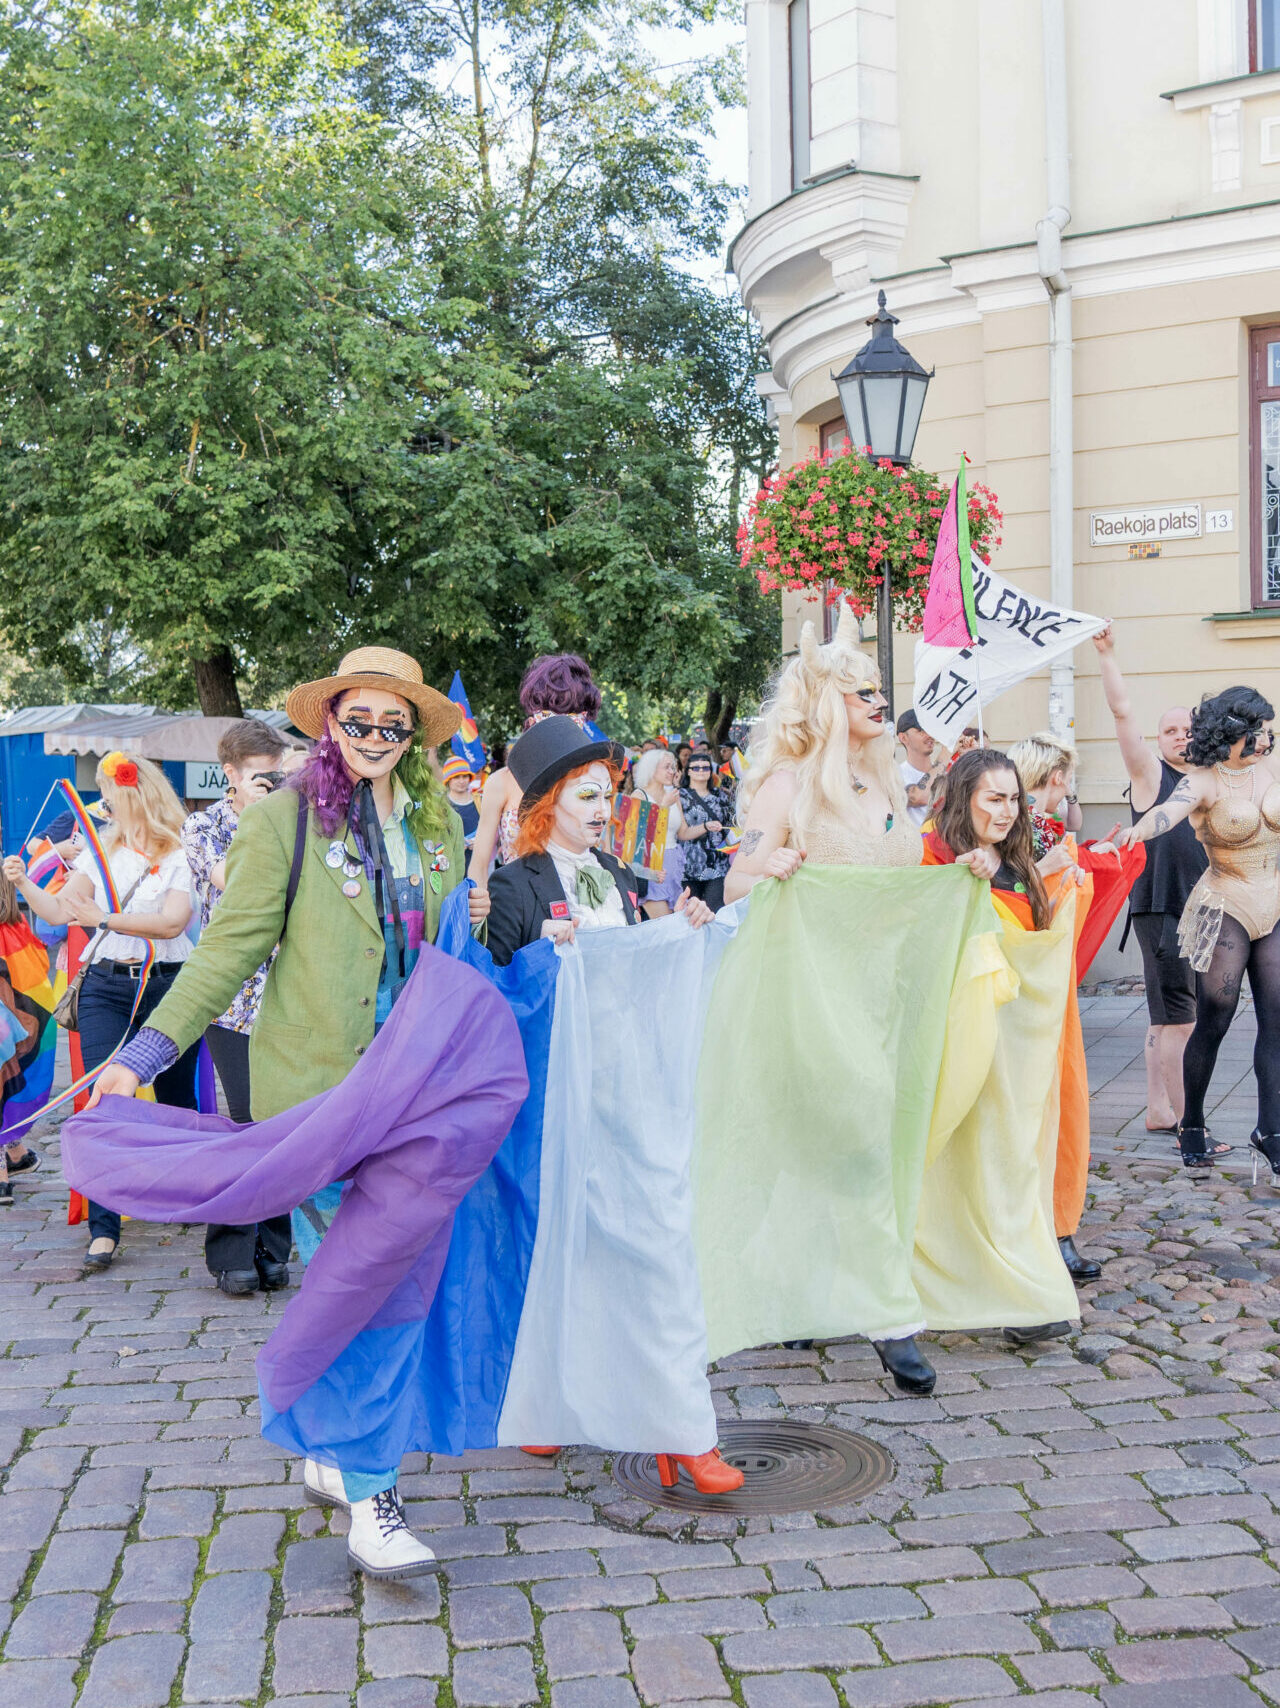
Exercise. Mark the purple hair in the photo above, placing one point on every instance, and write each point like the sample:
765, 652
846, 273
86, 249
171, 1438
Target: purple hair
326, 783
559, 682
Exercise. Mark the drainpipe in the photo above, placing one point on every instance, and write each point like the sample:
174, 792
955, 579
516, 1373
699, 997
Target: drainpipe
1062, 688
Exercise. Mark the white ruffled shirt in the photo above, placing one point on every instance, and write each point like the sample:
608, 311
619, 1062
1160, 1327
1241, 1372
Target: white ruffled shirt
127, 865
602, 918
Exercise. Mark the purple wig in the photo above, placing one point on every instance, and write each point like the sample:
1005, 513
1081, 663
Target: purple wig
326, 783
559, 682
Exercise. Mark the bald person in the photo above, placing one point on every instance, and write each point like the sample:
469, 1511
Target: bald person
1174, 862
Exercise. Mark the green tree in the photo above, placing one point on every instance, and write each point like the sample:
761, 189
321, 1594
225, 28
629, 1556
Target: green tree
278, 373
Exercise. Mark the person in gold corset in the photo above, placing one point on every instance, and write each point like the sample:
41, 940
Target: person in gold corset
1231, 922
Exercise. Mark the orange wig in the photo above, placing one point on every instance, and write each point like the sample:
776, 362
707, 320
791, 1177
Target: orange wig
538, 824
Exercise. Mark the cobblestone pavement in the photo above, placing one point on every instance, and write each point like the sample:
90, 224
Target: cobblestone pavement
1094, 1519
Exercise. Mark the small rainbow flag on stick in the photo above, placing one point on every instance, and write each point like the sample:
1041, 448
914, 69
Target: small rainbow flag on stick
466, 743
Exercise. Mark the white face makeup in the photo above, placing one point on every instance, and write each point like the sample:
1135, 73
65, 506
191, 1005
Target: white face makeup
1173, 735
583, 806
865, 708
993, 806
370, 755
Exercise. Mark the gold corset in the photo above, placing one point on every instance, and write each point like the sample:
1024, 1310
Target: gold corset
832, 842
1242, 840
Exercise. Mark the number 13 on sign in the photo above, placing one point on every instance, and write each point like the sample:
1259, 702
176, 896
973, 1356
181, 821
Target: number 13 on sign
1219, 521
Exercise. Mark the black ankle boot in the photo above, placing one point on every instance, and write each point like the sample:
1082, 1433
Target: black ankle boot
271, 1274
1078, 1268
798, 1345
911, 1371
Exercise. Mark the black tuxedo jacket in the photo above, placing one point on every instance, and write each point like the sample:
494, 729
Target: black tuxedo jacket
523, 894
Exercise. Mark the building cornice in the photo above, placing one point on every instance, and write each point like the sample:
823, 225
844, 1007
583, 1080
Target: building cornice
964, 288
1247, 88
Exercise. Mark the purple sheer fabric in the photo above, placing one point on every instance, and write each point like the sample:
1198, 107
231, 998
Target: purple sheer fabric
414, 1124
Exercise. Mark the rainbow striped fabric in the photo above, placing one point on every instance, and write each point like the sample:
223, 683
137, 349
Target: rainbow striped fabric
29, 992
638, 833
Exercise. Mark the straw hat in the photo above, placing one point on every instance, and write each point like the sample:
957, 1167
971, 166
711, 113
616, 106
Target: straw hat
375, 667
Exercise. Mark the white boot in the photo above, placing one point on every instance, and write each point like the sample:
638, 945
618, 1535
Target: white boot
323, 1484
381, 1544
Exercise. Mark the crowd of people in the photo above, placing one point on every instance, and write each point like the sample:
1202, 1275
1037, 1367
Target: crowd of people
312, 888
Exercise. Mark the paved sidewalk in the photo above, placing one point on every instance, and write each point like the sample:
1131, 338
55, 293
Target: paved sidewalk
1098, 1519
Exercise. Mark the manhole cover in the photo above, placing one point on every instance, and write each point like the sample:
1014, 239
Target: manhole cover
790, 1467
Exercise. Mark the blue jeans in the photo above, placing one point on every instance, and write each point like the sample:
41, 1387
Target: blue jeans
106, 997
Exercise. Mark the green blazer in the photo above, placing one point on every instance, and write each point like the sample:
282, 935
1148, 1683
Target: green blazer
317, 1011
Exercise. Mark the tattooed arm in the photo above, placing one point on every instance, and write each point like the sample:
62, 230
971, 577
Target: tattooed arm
764, 853
1193, 794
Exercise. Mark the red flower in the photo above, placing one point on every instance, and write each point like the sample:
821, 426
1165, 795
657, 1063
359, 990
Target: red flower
126, 776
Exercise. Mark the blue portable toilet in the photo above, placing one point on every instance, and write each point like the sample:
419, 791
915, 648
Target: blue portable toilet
27, 772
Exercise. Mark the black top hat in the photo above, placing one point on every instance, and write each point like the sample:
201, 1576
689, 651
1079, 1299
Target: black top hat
550, 749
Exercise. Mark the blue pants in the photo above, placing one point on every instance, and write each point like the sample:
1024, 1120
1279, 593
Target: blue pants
106, 997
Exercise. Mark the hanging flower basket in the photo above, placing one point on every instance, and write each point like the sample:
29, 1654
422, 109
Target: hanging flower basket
844, 519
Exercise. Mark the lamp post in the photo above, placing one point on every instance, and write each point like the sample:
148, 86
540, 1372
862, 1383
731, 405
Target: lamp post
882, 393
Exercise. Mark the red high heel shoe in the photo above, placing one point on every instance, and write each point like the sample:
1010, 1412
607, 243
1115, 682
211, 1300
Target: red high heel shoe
541, 1452
707, 1471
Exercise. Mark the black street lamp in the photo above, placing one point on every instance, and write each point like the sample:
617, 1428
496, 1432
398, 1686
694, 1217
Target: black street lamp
882, 392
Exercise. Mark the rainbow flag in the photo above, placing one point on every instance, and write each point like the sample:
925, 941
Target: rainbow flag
46, 868
466, 743
35, 992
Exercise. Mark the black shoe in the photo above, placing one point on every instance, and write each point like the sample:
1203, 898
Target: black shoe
1040, 1331
27, 1163
6, 1194
1195, 1147
798, 1345
237, 1283
1267, 1147
911, 1371
1078, 1268
96, 1261
272, 1275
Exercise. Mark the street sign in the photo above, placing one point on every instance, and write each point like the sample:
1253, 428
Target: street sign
1153, 522
205, 780
1219, 521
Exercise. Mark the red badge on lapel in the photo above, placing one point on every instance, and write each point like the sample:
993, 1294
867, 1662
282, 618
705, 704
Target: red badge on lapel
635, 899
559, 910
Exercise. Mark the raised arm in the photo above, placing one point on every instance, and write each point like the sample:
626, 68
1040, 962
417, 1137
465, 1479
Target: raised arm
52, 909
1139, 761
763, 853
493, 803
1194, 793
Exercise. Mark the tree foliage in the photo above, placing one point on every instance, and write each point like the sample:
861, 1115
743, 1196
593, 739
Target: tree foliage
321, 327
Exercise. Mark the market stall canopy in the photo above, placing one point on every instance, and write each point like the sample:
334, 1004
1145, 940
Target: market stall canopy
36, 720
179, 736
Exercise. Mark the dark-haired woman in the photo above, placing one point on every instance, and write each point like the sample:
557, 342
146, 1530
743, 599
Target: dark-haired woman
1231, 923
708, 815
557, 685
985, 811
368, 846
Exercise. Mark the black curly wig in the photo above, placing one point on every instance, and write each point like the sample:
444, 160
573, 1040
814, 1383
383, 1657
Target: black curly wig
1220, 720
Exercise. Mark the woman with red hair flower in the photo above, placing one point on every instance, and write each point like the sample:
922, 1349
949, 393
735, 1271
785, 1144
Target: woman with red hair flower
143, 845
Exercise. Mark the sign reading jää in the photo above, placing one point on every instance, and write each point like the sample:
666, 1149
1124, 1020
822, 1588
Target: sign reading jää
1155, 522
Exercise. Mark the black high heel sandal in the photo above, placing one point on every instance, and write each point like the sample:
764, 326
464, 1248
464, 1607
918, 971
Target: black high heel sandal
903, 1360
1267, 1147
1199, 1153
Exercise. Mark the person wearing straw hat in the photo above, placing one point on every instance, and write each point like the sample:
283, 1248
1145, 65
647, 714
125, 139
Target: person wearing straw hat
346, 869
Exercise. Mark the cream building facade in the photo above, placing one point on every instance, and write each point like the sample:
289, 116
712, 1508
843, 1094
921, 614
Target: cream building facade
1001, 166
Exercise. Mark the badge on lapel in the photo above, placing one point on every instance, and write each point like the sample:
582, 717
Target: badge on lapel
559, 910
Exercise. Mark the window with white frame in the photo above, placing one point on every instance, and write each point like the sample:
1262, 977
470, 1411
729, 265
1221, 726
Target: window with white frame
1264, 35
798, 40
1264, 530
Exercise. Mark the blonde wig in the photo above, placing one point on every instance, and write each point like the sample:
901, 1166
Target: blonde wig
1037, 757
146, 816
804, 728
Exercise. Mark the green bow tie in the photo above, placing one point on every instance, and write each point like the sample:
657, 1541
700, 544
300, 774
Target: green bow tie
593, 884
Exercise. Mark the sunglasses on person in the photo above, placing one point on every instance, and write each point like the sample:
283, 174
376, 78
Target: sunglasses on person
358, 730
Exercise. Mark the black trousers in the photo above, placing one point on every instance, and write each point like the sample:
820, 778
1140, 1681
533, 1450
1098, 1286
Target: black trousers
227, 1247
106, 997
710, 890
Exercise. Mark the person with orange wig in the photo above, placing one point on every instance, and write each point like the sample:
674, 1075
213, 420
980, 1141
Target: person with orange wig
562, 882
